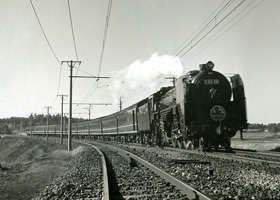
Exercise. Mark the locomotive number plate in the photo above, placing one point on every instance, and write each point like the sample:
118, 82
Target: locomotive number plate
218, 113
211, 81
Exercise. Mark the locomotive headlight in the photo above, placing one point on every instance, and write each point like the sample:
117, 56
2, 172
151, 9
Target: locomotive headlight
210, 65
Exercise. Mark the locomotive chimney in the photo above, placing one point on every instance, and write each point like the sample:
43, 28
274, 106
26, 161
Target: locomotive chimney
206, 67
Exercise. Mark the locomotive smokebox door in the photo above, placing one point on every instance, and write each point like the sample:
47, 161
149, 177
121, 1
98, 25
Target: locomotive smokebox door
218, 113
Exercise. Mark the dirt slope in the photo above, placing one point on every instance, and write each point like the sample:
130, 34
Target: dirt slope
28, 166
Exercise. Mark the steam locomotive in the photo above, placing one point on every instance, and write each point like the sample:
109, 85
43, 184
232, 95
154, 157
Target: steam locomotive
203, 110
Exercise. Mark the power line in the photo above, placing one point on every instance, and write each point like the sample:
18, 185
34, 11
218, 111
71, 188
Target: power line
44, 33
90, 91
58, 87
59, 78
186, 60
181, 46
95, 84
47, 40
73, 36
72, 29
105, 36
216, 24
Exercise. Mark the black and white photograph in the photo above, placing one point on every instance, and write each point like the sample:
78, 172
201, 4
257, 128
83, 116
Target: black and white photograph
139, 100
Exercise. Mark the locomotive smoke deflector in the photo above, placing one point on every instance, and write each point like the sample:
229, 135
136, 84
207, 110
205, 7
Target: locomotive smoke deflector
206, 67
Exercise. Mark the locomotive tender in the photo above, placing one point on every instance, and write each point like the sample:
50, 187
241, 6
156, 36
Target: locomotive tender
203, 110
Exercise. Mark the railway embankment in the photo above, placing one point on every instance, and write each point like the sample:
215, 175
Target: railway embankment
256, 145
28, 166
261, 141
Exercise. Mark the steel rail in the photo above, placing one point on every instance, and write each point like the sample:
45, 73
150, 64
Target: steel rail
105, 195
256, 160
184, 188
232, 156
260, 153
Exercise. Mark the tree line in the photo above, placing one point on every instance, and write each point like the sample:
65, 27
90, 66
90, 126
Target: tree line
272, 127
8, 125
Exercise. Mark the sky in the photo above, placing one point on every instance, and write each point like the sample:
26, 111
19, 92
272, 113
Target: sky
142, 48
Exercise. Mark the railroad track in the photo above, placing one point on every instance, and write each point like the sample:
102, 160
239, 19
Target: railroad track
218, 175
105, 180
171, 178
124, 176
135, 178
263, 155
268, 158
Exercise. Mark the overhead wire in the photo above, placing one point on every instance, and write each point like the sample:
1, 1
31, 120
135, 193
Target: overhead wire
105, 36
72, 29
73, 37
224, 31
216, 24
44, 33
94, 88
59, 79
48, 42
197, 30
95, 84
83, 71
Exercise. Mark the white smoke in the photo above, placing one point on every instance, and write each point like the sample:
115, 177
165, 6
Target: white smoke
148, 76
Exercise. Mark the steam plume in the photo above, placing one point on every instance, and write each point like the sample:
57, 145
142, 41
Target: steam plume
148, 76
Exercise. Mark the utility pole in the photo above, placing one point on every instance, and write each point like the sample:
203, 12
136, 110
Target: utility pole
61, 121
88, 110
90, 105
31, 129
173, 80
47, 107
31, 115
71, 65
121, 103
14, 128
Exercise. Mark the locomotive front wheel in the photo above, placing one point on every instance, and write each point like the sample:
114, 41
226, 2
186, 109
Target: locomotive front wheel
179, 143
188, 144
